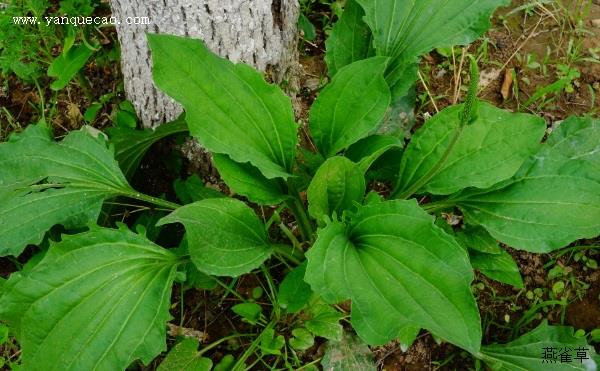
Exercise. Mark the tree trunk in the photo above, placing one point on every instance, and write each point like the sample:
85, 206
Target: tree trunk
261, 33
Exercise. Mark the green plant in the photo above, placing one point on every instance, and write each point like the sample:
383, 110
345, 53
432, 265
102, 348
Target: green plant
38, 44
314, 9
100, 298
25, 49
566, 78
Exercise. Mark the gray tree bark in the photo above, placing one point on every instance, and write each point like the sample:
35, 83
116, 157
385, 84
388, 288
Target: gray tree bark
261, 33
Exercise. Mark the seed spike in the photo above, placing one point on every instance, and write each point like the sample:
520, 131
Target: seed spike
470, 108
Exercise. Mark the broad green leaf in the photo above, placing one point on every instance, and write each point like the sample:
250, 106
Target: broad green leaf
248, 181
385, 168
145, 224
407, 29
351, 106
325, 322
489, 150
294, 293
538, 213
350, 39
250, 312
185, 357
194, 277
554, 199
229, 107
401, 77
373, 198
577, 138
305, 25
225, 237
26, 217
44, 183
398, 269
98, 300
337, 186
79, 159
226, 363
193, 189
199, 280
270, 343
3, 333
407, 336
91, 112
367, 150
528, 351
131, 145
350, 353
66, 66
500, 267
126, 117
478, 239
302, 339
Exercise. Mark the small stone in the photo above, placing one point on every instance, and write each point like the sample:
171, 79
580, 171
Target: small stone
596, 23
312, 84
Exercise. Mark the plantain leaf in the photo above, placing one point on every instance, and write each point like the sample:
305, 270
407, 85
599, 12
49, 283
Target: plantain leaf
306, 26
500, 267
399, 270
324, 322
576, 138
229, 107
193, 189
398, 28
184, 357
97, 300
131, 145
248, 181
368, 150
338, 184
302, 339
407, 337
350, 107
293, 292
27, 216
489, 150
66, 65
271, 343
401, 77
225, 237
44, 183
405, 30
553, 200
478, 239
544, 348
350, 39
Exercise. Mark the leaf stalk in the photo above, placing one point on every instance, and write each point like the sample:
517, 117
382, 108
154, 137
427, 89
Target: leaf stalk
153, 200
466, 116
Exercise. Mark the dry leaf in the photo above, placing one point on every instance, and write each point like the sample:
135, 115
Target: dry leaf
73, 114
452, 219
507, 83
175, 330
